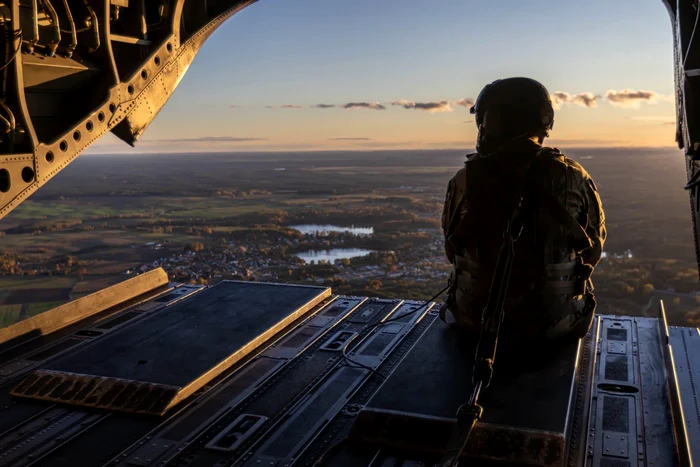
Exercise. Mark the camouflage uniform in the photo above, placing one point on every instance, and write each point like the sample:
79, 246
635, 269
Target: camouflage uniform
550, 291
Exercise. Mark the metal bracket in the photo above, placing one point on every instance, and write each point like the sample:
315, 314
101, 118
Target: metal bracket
236, 432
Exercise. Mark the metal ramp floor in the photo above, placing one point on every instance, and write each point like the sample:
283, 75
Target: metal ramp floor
151, 367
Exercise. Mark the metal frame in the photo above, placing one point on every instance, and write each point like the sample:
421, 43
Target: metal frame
136, 69
685, 18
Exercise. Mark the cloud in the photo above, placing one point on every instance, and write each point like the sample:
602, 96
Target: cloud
207, 139
235, 106
630, 98
559, 98
438, 106
387, 144
350, 139
364, 105
466, 102
323, 106
290, 106
584, 99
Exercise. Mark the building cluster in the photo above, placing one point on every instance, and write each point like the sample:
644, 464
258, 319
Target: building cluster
262, 262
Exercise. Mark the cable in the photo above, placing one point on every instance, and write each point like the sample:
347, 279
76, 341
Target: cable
6, 122
380, 324
16, 34
11, 116
77, 30
355, 362
396, 318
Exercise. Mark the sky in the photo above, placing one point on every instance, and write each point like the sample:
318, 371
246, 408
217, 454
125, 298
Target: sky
400, 74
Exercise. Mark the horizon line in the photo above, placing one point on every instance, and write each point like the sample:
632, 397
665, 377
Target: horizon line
296, 151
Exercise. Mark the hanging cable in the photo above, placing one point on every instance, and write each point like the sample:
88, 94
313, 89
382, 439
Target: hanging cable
5, 122
370, 327
15, 35
13, 123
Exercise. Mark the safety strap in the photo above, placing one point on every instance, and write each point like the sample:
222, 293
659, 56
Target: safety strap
467, 416
469, 413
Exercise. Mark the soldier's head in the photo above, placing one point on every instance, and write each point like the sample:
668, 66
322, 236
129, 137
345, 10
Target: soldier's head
512, 108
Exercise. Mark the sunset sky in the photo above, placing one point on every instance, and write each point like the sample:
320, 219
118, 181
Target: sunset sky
279, 74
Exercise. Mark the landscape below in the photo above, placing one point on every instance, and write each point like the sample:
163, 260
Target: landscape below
210, 217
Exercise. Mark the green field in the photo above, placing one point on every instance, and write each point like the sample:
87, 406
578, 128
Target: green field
9, 314
36, 282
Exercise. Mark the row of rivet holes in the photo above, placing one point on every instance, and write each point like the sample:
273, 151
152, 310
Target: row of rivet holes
63, 145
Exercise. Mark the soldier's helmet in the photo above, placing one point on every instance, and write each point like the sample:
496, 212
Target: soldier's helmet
510, 107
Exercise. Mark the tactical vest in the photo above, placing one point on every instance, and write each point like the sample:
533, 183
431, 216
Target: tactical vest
547, 260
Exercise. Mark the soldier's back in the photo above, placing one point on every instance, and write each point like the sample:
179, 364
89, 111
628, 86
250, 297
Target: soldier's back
491, 188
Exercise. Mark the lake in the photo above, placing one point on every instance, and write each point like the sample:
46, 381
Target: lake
333, 254
323, 230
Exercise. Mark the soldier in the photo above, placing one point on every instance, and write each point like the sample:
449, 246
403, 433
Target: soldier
550, 292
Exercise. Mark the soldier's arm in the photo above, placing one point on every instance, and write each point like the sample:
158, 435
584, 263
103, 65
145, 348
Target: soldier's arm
596, 222
446, 217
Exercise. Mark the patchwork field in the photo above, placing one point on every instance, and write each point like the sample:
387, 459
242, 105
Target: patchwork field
105, 216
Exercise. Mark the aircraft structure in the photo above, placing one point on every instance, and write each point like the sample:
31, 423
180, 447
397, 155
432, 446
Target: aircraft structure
151, 373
